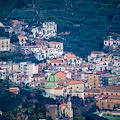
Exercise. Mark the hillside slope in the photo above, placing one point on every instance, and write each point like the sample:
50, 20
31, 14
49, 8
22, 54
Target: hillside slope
86, 20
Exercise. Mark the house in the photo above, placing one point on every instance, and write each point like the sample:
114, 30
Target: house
55, 62
49, 30
75, 88
59, 91
110, 42
15, 23
51, 110
14, 90
55, 49
71, 58
109, 102
93, 92
4, 44
112, 90
94, 56
22, 40
27, 80
109, 79
2, 73
15, 77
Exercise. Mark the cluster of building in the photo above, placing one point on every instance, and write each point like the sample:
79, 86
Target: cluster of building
64, 73
48, 30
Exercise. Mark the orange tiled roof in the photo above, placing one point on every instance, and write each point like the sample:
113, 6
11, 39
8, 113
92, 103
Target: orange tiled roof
75, 82
21, 36
56, 61
60, 74
69, 55
16, 22
41, 45
64, 104
55, 42
102, 88
14, 90
59, 88
44, 49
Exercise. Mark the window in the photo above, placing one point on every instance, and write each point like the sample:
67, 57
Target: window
111, 93
102, 104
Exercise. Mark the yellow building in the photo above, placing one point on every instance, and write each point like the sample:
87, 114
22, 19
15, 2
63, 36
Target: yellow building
93, 80
105, 57
70, 57
111, 102
112, 90
110, 98
55, 62
4, 44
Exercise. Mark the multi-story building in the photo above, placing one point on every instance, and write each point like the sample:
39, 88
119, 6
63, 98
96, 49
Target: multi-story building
93, 80
75, 88
110, 99
99, 56
108, 79
4, 44
49, 29
28, 68
71, 58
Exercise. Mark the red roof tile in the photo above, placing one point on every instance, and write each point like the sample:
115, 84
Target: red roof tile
21, 36
16, 22
69, 55
75, 82
60, 74
59, 88
64, 104
55, 61
55, 42
41, 45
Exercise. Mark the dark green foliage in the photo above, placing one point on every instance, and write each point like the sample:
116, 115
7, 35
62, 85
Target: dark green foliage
3, 33
90, 116
14, 38
9, 101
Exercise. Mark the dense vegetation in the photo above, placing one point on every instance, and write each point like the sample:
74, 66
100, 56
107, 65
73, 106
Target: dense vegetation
86, 20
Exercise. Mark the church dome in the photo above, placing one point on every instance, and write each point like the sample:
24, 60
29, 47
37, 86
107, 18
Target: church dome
52, 78
50, 85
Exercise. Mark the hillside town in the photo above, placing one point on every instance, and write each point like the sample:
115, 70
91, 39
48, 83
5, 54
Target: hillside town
60, 73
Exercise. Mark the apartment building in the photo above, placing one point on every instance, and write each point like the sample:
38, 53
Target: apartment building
93, 80
28, 68
4, 44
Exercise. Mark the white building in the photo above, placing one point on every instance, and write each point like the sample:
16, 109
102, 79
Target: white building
28, 68
2, 73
